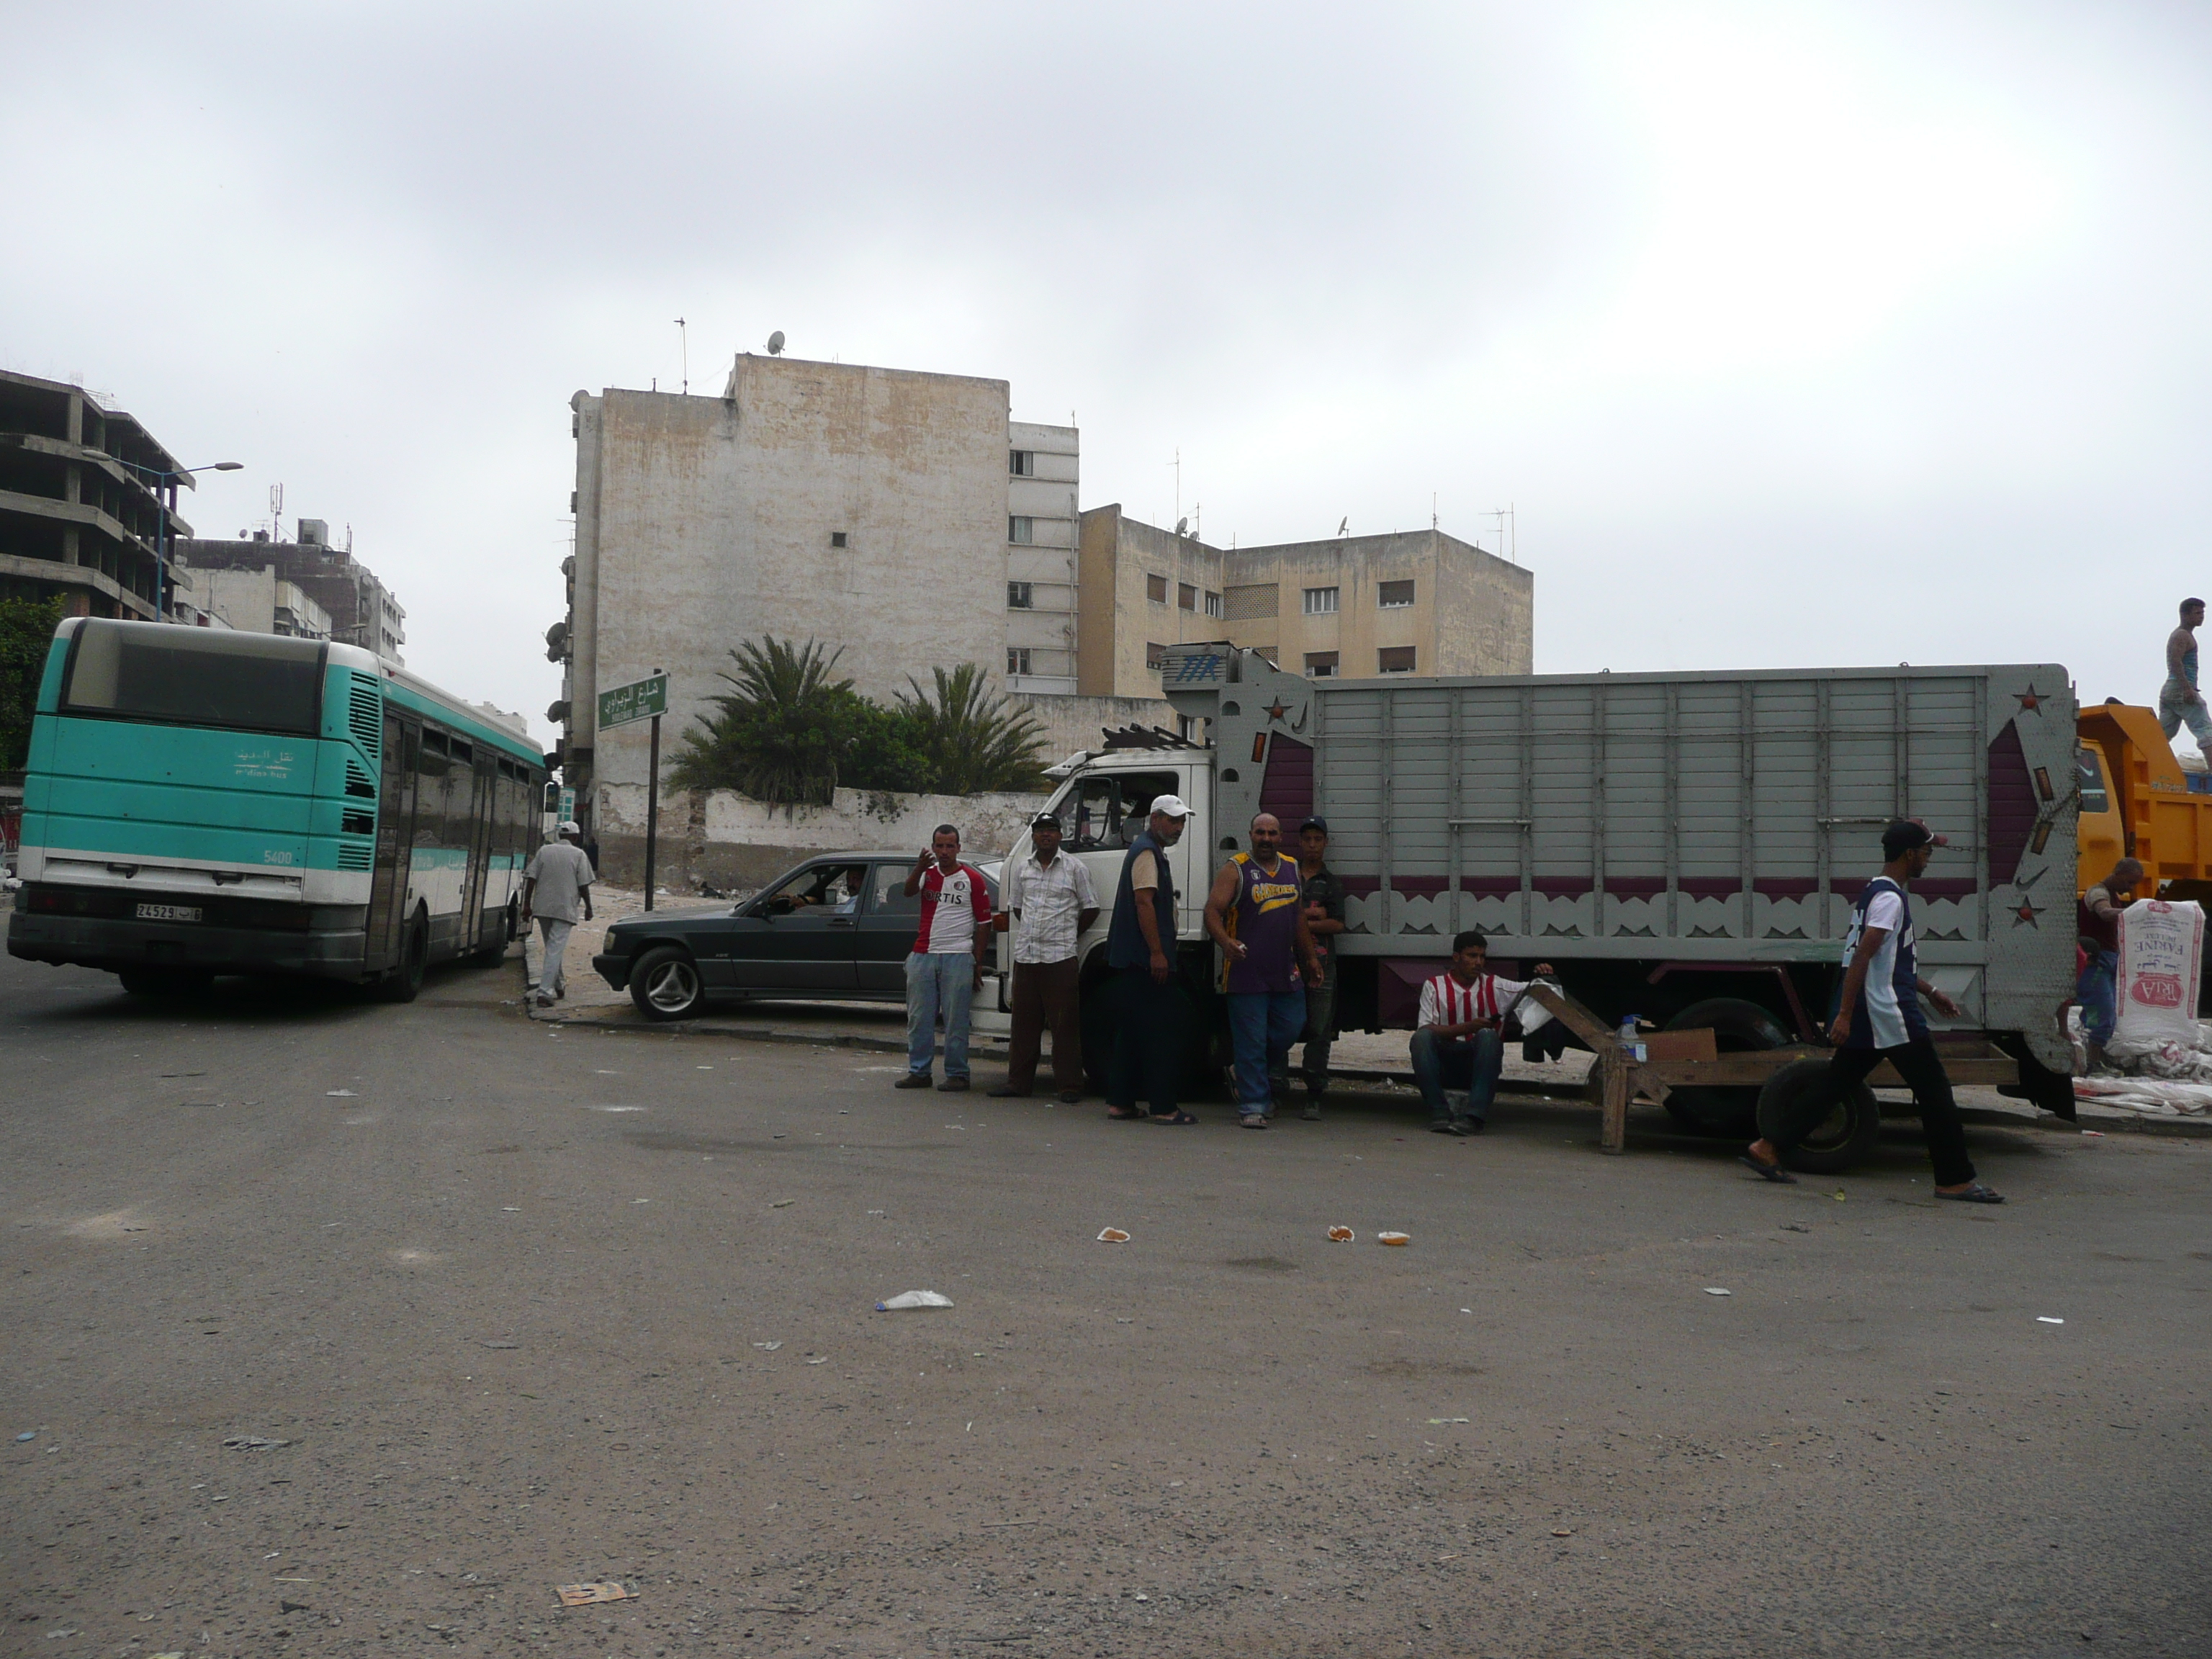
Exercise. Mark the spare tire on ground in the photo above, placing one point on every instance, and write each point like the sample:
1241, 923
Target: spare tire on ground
1845, 1133
1738, 1027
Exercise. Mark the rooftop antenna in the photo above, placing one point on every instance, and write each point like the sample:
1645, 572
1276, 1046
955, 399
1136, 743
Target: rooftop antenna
776, 343
683, 345
1177, 464
1344, 526
1432, 509
276, 509
1509, 537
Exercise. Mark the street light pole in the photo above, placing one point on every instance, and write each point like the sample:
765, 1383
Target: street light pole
162, 481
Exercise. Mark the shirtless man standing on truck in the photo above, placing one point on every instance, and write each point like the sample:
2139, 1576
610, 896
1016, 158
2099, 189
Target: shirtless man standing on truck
2179, 701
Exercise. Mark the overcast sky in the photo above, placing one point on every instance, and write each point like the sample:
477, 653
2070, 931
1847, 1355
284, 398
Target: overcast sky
1795, 335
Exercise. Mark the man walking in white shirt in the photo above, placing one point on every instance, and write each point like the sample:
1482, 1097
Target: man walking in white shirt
1460, 1041
1053, 904
558, 880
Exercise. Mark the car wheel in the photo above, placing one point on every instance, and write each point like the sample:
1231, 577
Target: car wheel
1738, 1027
1847, 1132
665, 984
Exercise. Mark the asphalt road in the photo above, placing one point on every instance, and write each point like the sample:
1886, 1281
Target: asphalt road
532, 1307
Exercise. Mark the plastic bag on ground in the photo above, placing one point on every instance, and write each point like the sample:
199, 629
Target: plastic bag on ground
906, 1299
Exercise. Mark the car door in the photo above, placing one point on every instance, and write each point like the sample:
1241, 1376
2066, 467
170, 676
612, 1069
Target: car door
886, 932
790, 940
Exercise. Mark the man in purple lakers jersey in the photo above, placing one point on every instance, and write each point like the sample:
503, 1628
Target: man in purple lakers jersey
1256, 915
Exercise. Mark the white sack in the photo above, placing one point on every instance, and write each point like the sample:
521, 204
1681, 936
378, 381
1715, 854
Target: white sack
2162, 962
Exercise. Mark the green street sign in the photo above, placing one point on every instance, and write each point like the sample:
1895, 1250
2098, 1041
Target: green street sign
640, 699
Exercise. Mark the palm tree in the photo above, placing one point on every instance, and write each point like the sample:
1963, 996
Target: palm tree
971, 740
779, 733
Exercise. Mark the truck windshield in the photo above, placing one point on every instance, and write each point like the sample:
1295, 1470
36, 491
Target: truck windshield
1105, 811
196, 676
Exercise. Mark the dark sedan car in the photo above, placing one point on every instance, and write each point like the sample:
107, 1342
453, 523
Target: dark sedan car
837, 928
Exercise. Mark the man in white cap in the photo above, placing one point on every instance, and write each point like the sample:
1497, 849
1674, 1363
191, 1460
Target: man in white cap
558, 881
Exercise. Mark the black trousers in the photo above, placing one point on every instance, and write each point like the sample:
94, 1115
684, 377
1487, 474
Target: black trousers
1922, 1068
1148, 1033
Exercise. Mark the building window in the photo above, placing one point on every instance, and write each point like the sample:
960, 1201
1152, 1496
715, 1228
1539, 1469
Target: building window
836, 538
1022, 462
1019, 596
1248, 604
1213, 604
1156, 656
1320, 664
1396, 595
1186, 596
1156, 589
1394, 659
1021, 528
1321, 601
1018, 659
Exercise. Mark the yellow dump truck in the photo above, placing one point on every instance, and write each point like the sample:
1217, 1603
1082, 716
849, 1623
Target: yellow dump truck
2137, 802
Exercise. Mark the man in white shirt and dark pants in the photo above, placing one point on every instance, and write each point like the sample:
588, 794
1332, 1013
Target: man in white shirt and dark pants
557, 881
1053, 904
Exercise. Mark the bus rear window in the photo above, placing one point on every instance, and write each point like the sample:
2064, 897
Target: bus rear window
196, 676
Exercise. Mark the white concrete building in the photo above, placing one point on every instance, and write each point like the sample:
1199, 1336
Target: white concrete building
260, 601
903, 516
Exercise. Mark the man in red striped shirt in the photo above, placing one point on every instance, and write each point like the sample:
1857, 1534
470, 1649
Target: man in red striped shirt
945, 970
1458, 1041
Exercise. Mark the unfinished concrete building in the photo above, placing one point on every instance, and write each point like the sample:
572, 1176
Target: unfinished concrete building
83, 493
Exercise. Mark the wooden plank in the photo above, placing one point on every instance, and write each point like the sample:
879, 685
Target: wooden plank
1696, 1044
1613, 1125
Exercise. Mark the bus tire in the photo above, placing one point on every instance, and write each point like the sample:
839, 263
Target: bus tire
1738, 1027
665, 984
164, 981
1845, 1135
404, 983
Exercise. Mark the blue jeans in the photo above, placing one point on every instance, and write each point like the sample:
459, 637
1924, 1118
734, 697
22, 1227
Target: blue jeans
2095, 991
1263, 1026
943, 983
1471, 1063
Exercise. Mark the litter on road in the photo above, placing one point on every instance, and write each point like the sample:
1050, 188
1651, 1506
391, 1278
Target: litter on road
583, 1595
252, 1442
340, 1094
1340, 1234
32, 1435
1715, 1290
783, 1204
1113, 1236
1394, 1238
2046, 1319
906, 1299
770, 1346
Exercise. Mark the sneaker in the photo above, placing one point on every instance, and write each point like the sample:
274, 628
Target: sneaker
544, 1001
953, 1086
1007, 1091
1312, 1113
1446, 1127
913, 1080
1069, 1096
1473, 1126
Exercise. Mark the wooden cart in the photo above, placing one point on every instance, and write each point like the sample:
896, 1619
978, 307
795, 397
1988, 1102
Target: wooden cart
1674, 1059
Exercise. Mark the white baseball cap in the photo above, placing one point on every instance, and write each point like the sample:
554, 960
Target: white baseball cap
568, 827
1172, 806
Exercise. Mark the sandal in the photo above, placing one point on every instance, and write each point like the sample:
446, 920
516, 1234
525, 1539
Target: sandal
1253, 1120
1974, 1194
1175, 1118
1773, 1172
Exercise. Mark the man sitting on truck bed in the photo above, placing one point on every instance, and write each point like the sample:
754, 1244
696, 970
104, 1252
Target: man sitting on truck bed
1459, 1040
2180, 699
1878, 1018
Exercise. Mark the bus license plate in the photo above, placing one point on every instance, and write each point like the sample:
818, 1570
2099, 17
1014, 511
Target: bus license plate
168, 913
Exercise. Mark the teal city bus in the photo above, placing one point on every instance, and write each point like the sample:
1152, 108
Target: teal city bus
199, 802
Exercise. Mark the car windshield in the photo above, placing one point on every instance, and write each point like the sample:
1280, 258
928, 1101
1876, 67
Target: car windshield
196, 676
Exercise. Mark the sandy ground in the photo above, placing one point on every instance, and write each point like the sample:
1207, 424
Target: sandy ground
534, 1305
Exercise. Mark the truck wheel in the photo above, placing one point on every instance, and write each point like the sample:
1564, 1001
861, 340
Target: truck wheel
1846, 1133
1738, 1027
665, 984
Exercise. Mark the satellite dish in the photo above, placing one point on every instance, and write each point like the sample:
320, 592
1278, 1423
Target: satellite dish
776, 343
1182, 524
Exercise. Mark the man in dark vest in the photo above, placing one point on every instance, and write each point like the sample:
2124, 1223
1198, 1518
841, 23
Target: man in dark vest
1256, 915
1878, 1018
2097, 930
1140, 948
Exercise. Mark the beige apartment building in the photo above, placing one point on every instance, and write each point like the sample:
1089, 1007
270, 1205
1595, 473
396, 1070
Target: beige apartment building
1412, 602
